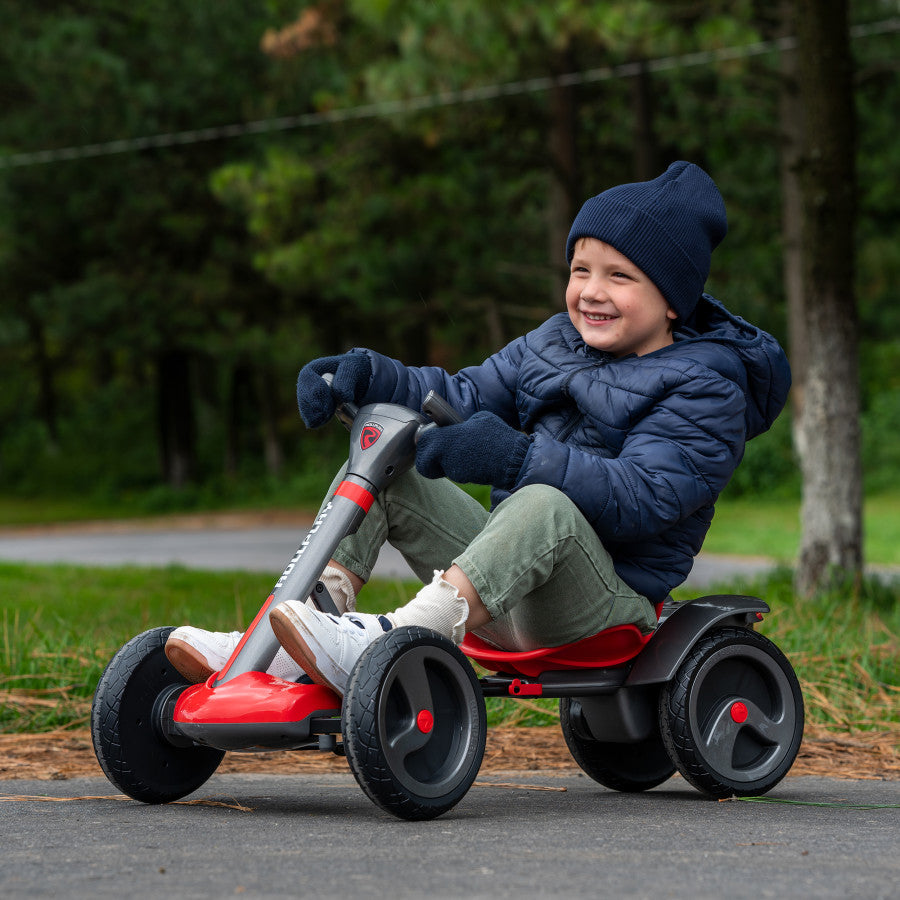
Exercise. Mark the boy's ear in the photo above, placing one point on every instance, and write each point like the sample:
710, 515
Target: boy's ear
671, 314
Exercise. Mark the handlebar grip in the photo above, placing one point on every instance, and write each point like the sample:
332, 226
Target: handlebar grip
440, 410
346, 411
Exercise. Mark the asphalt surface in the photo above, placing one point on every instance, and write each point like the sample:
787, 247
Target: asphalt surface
260, 549
320, 836
276, 836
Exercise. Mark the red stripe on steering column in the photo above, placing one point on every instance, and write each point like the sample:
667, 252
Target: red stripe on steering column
359, 495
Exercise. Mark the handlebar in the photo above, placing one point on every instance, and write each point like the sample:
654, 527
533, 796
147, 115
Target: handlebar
434, 406
440, 410
345, 411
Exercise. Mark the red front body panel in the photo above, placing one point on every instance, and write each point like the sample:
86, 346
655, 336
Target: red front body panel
254, 711
254, 697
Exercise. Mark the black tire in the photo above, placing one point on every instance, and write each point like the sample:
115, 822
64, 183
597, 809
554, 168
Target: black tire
409, 766
630, 768
732, 719
126, 725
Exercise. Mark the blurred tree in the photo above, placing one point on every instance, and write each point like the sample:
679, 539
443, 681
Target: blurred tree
468, 163
160, 300
121, 265
829, 439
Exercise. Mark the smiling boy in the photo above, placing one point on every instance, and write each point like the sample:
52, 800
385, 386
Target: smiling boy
613, 304
606, 434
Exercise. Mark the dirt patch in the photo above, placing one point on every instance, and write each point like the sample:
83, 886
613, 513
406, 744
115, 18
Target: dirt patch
68, 754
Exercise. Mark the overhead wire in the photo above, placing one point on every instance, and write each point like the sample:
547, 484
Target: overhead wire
389, 108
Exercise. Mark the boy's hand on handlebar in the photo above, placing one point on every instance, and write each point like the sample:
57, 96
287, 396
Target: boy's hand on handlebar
481, 450
316, 400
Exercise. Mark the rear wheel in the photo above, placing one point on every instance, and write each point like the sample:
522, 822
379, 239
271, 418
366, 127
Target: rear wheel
630, 767
732, 718
133, 700
414, 723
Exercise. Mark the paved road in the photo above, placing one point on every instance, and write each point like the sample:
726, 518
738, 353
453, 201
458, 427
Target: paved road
263, 549
320, 836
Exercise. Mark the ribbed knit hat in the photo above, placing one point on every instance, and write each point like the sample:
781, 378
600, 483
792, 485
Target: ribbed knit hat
667, 227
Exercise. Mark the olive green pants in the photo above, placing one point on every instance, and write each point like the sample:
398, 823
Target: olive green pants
540, 569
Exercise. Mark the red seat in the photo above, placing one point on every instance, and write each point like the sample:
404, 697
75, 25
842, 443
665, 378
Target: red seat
607, 648
610, 647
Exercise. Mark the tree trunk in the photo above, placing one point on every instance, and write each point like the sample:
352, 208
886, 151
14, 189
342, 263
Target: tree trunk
829, 424
645, 144
413, 337
564, 185
791, 141
175, 417
239, 391
274, 456
46, 389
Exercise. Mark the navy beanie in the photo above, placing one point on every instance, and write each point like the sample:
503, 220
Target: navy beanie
667, 227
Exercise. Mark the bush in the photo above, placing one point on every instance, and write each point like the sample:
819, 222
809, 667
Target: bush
769, 465
881, 449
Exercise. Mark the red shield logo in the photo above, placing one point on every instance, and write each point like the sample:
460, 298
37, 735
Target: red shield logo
370, 434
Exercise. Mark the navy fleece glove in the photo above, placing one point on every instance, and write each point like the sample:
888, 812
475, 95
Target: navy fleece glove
316, 400
481, 450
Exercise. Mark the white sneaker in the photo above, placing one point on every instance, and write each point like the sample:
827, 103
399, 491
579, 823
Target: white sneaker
326, 646
196, 654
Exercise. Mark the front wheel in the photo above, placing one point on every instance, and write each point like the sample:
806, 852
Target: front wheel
134, 695
414, 723
732, 719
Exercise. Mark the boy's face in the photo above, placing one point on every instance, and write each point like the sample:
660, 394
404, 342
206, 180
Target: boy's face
613, 304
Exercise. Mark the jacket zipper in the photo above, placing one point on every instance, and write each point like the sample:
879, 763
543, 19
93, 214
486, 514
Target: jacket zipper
570, 426
576, 416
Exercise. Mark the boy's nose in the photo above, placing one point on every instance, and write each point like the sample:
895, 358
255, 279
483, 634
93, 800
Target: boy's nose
593, 292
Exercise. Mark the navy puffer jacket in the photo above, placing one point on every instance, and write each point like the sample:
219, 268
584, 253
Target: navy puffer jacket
643, 445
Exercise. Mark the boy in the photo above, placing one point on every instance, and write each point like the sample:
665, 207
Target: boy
606, 434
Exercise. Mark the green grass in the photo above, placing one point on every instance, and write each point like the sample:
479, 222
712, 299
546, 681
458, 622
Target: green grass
771, 527
20, 511
300, 492
845, 647
61, 624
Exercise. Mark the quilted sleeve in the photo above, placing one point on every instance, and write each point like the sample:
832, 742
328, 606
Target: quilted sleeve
676, 459
489, 386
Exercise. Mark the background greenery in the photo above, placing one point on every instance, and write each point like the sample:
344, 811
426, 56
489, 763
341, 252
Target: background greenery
160, 285
156, 303
61, 626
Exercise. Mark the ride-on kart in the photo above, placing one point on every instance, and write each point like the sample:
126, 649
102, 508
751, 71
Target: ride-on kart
703, 694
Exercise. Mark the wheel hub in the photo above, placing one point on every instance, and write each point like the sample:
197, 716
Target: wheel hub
738, 712
425, 721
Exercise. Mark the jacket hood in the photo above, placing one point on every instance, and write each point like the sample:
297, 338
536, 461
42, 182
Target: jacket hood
757, 361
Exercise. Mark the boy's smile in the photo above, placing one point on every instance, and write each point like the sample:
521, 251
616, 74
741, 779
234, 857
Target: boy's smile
613, 304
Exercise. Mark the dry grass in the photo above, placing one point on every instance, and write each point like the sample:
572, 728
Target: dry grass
68, 753
845, 648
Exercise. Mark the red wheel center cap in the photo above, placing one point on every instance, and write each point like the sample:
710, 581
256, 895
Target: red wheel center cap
738, 712
425, 721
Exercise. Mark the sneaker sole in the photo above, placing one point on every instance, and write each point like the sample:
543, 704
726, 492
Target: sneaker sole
188, 661
287, 631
